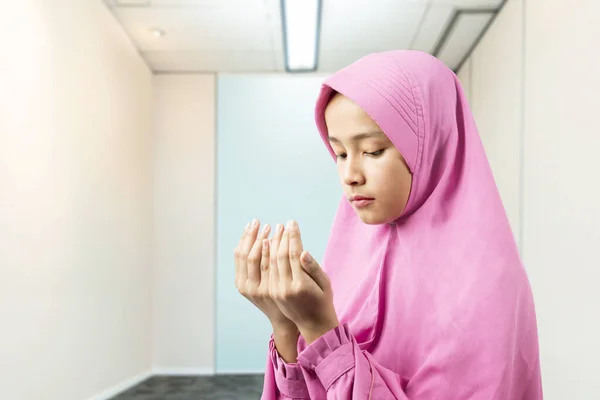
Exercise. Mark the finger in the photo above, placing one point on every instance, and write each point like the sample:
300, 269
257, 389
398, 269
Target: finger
239, 274
247, 243
255, 255
295, 249
264, 262
273, 249
275, 242
250, 236
273, 270
315, 271
283, 259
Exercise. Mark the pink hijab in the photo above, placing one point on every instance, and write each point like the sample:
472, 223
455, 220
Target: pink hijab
440, 295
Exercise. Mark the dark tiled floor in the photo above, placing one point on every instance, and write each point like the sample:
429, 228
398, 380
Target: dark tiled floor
220, 387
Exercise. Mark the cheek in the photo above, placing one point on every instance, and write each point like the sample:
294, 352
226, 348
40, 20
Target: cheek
396, 183
340, 173
404, 186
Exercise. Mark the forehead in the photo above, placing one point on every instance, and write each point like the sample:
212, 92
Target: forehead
345, 118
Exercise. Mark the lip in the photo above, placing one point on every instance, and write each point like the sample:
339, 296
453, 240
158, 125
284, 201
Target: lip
359, 197
361, 201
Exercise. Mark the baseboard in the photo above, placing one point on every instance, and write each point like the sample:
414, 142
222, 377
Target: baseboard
182, 371
121, 387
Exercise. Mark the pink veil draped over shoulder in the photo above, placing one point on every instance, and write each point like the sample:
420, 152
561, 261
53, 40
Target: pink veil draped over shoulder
440, 296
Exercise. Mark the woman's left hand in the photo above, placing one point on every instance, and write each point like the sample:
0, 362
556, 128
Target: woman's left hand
300, 288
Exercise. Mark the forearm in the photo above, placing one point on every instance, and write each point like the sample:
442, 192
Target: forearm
286, 343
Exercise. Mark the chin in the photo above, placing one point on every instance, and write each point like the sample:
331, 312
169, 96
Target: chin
372, 219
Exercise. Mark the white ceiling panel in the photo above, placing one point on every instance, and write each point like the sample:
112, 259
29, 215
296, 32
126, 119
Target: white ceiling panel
197, 28
369, 25
275, 26
434, 24
128, 3
181, 3
246, 35
461, 38
213, 61
219, 3
331, 61
470, 4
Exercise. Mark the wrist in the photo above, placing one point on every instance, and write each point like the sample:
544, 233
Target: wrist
287, 328
313, 333
286, 342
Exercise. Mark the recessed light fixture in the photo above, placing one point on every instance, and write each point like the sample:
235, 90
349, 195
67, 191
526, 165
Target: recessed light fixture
301, 21
157, 32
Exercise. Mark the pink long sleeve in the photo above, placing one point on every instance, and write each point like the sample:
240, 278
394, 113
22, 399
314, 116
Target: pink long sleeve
341, 370
288, 379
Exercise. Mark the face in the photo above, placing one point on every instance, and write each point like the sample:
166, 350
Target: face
374, 176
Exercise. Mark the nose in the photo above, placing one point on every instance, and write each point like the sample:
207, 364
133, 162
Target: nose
352, 173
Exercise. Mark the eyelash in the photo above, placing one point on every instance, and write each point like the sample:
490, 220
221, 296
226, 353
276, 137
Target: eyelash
373, 154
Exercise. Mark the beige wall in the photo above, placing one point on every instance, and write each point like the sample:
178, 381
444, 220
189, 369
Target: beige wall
75, 220
493, 79
534, 84
497, 101
562, 194
184, 199
464, 75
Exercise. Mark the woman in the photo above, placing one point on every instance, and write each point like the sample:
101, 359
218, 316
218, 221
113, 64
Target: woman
422, 294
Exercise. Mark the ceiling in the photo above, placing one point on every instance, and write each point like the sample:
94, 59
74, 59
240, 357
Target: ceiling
246, 35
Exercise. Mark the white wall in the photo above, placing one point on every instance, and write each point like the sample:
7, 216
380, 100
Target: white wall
562, 194
193, 333
272, 165
464, 75
184, 211
497, 101
493, 80
75, 220
559, 140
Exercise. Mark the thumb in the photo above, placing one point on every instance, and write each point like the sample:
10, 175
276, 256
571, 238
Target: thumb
315, 271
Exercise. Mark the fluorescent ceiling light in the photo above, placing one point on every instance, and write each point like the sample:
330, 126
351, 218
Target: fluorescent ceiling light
301, 21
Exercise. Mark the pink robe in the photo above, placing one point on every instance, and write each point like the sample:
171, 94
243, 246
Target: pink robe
436, 305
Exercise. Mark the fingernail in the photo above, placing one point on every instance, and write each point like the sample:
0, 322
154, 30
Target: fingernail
247, 226
279, 228
291, 224
254, 222
265, 228
307, 257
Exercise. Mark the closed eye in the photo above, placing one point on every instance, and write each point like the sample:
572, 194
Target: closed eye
376, 153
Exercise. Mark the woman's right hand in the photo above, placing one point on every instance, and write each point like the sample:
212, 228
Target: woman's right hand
252, 273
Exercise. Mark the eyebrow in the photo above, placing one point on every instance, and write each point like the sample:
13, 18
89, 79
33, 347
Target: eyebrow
359, 136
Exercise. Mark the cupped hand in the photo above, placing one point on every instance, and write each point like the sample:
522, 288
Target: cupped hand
299, 287
252, 272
